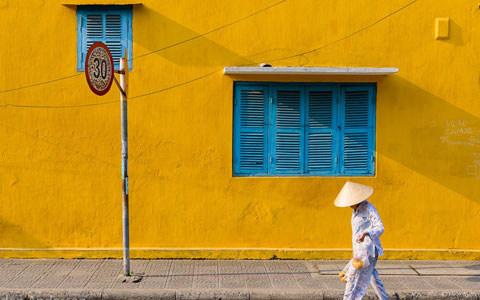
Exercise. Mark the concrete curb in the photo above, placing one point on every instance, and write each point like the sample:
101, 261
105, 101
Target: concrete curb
82, 294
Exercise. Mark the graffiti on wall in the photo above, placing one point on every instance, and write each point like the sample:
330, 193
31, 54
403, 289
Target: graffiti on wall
463, 133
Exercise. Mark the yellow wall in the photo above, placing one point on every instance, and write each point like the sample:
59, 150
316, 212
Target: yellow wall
60, 192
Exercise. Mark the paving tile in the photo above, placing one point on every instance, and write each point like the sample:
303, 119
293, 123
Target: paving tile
328, 267
445, 269
333, 283
255, 274
77, 278
205, 274
35, 270
156, 274
3, 261
280, 274
180, 282
393, 283
231, 274
137, 268
11, 269
229, 267
313, 269
442, 283
181, 274
310, 283
303, 275
106, 273
466, 282
391, 269
59, 271
417, 283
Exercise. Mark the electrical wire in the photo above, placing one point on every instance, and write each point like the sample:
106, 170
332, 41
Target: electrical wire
39, 83
177, 85
348, 35
211, 31
58, 106
112, 101
154, 51
213, 72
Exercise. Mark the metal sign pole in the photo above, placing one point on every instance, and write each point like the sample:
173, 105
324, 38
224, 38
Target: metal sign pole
99, 69
123, 109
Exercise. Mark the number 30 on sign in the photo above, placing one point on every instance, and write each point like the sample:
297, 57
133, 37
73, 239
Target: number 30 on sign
99, 68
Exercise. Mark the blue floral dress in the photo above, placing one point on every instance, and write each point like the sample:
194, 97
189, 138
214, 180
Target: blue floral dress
365, 219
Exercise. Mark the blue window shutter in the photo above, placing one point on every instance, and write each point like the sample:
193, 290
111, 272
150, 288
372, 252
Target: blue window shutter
321, 129
115, 36
288, 125
94, 31
250, 129
357, 133
106, 24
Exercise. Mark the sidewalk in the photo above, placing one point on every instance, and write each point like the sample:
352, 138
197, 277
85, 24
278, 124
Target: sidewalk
228, 279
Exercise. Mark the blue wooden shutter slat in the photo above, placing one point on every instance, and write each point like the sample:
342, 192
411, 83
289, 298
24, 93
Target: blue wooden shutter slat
251, 130
113, 36
320, 130
81, 41
289, 131
94, 29
358, 129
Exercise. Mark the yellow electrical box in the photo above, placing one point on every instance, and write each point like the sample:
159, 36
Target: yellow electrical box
441, 28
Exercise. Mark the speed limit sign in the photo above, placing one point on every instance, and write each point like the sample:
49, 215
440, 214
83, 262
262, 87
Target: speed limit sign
99, 68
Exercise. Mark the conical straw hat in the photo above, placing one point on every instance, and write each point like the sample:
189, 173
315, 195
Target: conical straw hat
353, 193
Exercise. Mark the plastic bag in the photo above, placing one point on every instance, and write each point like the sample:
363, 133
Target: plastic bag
359, 261
347, 272
360, 257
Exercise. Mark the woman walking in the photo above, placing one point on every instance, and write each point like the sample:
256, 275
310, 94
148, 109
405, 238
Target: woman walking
366, 230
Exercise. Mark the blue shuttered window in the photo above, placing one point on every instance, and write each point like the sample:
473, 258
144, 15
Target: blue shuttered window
357, 136
320, 130
111, 25
252, 116
288, 115
304, 129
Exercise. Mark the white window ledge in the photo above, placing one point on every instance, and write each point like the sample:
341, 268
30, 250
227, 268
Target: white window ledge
100, 2
307, 71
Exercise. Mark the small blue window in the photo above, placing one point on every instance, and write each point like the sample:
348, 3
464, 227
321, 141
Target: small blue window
304, 129
111, 25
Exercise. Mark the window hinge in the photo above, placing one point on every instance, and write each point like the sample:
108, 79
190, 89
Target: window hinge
336, 159
235, 101
271, 100
271, 159
373, 158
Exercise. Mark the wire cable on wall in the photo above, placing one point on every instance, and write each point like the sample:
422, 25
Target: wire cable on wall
213, 72
348, 35
40, 83
211, 31
157, 50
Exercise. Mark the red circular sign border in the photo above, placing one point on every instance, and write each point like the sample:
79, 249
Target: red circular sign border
102, 45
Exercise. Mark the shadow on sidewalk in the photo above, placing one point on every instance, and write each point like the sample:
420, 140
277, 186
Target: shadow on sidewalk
230, 274
475, 278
